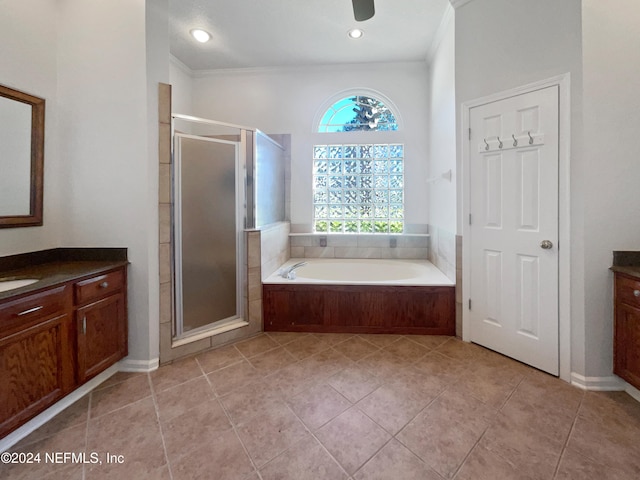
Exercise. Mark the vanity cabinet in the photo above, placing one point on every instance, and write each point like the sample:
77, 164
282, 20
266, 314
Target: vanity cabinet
627, 328
100, 323
36, 361
54, 340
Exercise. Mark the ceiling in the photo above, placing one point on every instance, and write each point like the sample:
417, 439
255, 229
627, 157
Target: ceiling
269, 33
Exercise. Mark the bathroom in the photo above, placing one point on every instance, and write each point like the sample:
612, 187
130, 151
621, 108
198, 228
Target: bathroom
102, 175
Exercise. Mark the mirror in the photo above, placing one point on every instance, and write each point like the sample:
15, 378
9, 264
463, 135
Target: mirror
21, 158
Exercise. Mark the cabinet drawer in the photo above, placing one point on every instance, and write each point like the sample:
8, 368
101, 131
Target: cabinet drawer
628, 291
36, 306
97, 287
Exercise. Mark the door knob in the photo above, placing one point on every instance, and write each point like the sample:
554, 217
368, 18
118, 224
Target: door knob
546, 244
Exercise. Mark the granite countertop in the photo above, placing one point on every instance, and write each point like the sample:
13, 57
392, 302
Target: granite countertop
627, 262
57, 266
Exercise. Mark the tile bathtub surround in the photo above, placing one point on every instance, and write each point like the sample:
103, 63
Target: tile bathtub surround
359, 246
341, 406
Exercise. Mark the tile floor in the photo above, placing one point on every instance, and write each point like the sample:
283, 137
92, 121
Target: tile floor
338, 406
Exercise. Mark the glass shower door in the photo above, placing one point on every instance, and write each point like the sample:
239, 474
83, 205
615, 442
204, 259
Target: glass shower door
207, 225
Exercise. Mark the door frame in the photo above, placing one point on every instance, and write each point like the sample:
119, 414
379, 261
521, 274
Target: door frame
564, 226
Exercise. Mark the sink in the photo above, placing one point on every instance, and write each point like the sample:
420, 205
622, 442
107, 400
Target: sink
11, 284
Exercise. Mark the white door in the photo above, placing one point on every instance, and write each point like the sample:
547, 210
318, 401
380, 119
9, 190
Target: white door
514, 227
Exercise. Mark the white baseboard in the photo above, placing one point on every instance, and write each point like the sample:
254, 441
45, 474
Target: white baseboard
141, 366
602, 384
39, 420
632, 391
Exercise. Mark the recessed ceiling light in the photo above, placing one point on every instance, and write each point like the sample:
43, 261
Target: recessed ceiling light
200, 35
355, 33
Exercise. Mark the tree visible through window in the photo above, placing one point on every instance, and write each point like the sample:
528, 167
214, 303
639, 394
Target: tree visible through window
358, 188
358, 113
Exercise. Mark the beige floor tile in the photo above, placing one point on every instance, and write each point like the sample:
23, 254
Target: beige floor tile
439, 442
352, 438
524, 447
286, 337
380, 340
175, 373
574, 466
317, 406
392, 407
354, 383
133, 432
182, 398
307, 460
395, 461
333, 338
463, 413
610, 443
196, 426
306, 346
119, 377
407, 349
271, 361
268, 435
112, 398
219, 358
355, 348
256, 345
251, 400
429, 341
483, 464
223, 458
234, 376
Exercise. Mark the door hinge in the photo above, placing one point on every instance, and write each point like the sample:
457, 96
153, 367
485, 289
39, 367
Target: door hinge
469, 219
469, 133
469, 304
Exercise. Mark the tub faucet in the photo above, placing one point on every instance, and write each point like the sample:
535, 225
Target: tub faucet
289, 273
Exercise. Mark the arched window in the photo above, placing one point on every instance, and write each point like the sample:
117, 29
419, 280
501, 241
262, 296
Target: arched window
358, 187
358, 113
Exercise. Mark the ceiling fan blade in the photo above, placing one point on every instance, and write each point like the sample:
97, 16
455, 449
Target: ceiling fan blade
363, 9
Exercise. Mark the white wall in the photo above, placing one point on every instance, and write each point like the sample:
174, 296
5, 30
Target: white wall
612, 171
287, 100
110, 181
181, 86
442, 127
502, 44
28, 53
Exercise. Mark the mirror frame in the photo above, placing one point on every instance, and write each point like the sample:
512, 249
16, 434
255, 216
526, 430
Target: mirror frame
34, 218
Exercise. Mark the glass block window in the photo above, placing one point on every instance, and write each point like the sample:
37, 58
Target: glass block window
358, 113
358, 188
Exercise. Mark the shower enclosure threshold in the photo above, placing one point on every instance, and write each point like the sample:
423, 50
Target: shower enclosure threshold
208, 331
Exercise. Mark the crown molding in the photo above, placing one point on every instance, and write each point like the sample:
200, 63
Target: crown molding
181, 66
447, 18
459, 3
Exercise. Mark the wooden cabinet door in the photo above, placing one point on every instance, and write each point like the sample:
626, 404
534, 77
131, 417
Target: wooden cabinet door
101, 328
36, 370
627, 344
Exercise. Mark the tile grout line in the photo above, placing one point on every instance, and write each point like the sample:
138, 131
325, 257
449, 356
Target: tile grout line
566, 442
235, 430
157, 410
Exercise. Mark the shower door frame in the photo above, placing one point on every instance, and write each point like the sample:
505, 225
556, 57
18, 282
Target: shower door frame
238, 320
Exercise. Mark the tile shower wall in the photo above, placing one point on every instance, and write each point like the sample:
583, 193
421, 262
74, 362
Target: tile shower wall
360, 246
267, 249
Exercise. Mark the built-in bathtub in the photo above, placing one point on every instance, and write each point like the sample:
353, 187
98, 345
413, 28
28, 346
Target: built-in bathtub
360, 296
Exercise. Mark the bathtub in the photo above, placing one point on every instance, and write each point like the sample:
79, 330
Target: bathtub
360, 296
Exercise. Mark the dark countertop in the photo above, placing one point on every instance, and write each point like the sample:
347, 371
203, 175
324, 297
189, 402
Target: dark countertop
57, 266
627, 262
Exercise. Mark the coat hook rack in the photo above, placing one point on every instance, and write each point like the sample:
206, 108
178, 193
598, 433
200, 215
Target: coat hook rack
499, 142
515, 142
486, 144
530, 138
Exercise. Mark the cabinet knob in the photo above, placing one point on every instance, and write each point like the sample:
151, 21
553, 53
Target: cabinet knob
104, 284
636, 293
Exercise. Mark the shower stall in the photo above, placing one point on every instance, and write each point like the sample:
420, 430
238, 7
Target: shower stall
226, 179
